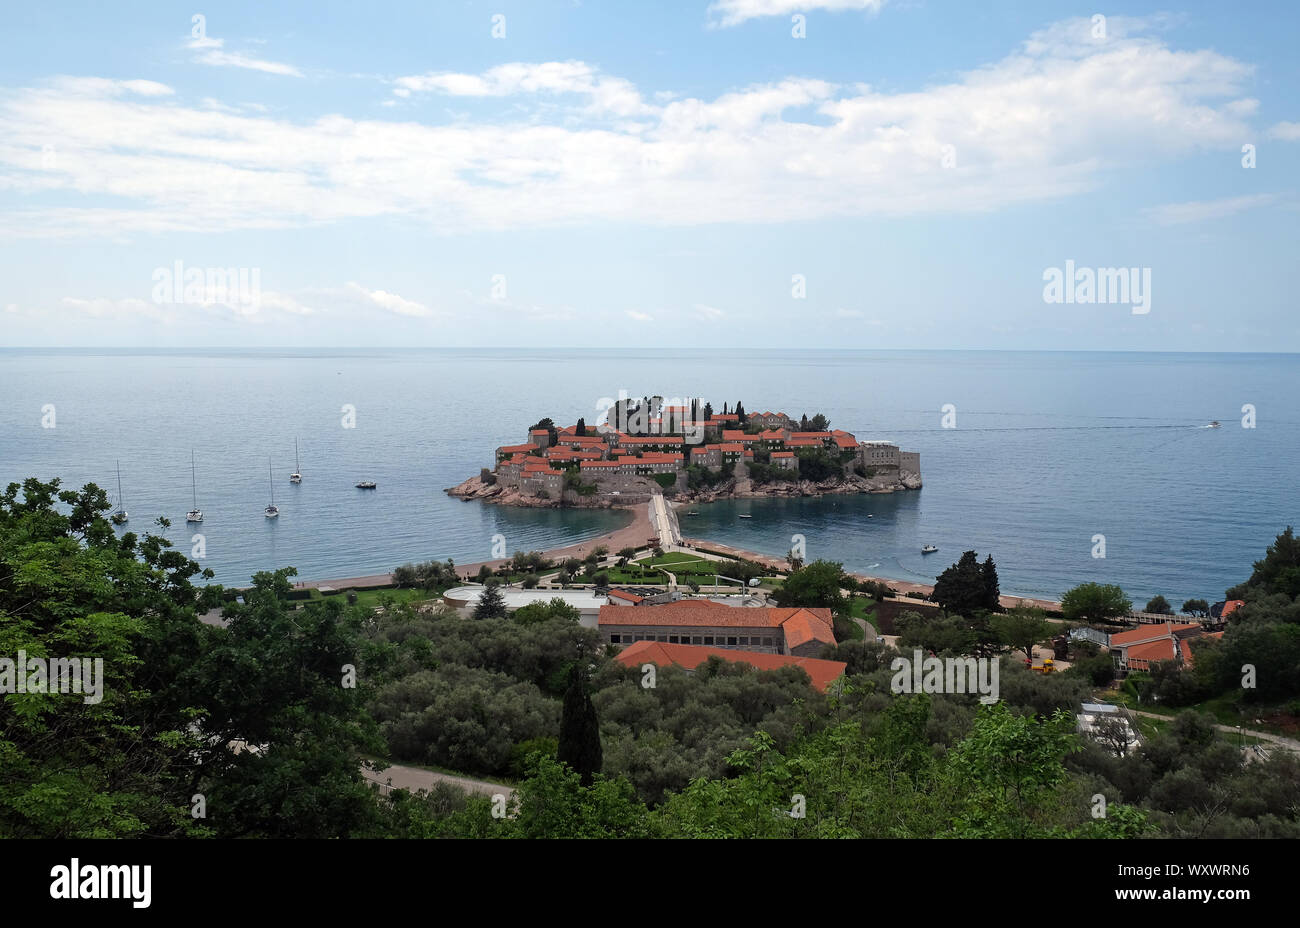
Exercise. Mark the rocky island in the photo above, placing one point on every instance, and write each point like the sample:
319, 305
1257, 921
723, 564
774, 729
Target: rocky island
689, 453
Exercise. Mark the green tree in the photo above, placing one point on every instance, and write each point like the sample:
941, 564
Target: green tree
547, 424
1022, 628
579, 746
819, 423
1158, 605
1196, 607
491, 603
1278, 572
817, 584
1095, 602
992, 590
966, 588
537, 612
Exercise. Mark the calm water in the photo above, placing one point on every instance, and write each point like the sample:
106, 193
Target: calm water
1049, 450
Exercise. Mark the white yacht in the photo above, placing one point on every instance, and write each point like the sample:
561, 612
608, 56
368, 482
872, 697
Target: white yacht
120, 517
929, 549
195, 514
296, 476
272, 510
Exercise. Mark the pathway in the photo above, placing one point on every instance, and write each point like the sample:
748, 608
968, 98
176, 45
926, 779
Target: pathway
400, 776
1287, 744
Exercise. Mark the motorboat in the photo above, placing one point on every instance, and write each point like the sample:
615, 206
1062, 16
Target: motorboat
929, 549
366, 485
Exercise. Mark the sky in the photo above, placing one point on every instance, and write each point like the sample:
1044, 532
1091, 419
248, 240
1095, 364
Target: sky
755, 173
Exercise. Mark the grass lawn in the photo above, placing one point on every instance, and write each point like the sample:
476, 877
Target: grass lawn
371, 598
686, 564
1222, 708
864, 608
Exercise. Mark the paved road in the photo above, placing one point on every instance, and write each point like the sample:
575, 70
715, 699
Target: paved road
664, 522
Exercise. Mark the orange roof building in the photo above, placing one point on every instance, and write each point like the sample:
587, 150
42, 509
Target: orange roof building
798, 631
689, 657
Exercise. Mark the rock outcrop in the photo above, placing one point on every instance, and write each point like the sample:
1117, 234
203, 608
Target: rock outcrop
475, 488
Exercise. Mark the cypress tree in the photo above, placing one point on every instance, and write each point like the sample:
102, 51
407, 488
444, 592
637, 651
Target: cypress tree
992, 594
579, 728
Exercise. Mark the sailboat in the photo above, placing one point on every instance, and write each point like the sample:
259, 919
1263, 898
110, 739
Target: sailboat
272, 510
296, 476
120, 517
195, 514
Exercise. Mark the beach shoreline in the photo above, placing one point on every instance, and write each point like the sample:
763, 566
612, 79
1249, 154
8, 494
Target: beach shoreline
636, 534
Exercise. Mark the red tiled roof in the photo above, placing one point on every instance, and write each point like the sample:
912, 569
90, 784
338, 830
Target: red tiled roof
822, 435
803, 443
690, 656
782, 454
623, 594
804, 624
1230, 607
515, 449
654, 440
587, 465
1150, 633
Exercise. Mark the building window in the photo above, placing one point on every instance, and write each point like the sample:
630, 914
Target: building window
731, 641
614, 639
695, 639
672, 639
708, 639
661, 638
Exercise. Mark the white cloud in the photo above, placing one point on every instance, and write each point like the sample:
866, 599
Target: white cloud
709, 312
212, 53
606, 94
1201, 210
391, 302
848, 314
1044, 123
733, 12
637, 316
1286, 131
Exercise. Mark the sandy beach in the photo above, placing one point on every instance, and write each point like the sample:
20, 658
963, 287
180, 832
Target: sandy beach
902, 586
633, 535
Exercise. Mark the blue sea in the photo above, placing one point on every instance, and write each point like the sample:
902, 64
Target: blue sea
1050, 449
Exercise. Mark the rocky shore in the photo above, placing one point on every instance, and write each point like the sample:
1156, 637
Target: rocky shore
476, 489
746, 489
